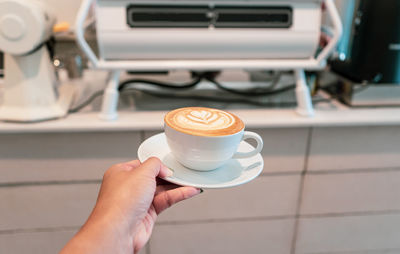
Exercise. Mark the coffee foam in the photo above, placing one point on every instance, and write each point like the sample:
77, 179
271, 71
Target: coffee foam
204, 121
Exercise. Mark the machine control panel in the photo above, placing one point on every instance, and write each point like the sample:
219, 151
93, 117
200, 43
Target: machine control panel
204, 16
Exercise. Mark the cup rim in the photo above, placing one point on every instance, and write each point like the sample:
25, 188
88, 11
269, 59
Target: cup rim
204, 136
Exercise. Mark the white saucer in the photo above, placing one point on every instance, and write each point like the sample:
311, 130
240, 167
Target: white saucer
234, 173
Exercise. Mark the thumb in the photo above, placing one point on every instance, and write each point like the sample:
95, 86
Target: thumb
154, 168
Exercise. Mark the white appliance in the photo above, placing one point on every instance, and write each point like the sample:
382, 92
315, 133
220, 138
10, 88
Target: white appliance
208, 35
30, 90
207, 29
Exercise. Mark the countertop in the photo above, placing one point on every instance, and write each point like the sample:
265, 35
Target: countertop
254, 118
150, 116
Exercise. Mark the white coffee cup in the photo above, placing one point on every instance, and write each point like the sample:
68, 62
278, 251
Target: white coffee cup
205, 153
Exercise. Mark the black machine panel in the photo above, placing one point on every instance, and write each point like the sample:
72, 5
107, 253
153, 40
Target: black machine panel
198, 16
1, 64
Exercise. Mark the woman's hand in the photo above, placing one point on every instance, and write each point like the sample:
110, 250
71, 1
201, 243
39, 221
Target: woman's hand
129, 201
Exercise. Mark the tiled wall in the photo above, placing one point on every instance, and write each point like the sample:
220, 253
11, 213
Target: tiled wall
351, 194
323, 190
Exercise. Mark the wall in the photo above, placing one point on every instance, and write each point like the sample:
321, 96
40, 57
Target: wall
65, 10
323, 190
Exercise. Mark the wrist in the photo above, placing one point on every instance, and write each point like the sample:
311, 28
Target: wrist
100, 234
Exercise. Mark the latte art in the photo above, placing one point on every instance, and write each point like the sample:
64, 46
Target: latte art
204, 121
202, 116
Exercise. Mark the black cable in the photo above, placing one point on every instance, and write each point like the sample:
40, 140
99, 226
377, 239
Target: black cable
123, 85
219, 99
196, 81
198, 97
87, 102
252, 92
210, 76
334, 95
50, 45
208, 98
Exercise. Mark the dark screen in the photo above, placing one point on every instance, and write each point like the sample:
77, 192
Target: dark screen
1, 64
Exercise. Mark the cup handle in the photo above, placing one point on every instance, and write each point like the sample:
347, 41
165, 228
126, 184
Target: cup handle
257, 138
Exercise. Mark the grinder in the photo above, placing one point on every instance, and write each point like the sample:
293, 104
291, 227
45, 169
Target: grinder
31, 92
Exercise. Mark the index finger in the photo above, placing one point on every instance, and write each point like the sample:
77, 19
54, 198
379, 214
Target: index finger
132, 164
155, 167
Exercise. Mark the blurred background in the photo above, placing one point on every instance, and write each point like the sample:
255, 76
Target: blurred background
330, 185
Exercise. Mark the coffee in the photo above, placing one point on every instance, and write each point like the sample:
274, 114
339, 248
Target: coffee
200, 121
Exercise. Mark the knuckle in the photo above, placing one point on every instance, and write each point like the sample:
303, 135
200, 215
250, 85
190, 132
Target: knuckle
182, 195
154, 160
111, 170
168, 200
132, 163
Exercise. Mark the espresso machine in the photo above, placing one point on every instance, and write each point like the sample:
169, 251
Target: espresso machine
368, 59
207, 35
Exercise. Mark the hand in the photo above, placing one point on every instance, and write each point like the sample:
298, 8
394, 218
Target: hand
127, 207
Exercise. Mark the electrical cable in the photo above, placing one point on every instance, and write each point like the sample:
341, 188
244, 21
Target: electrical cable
124, 84
197, 97
333, 95
206, 98
274, 81
220, 99
210, 76
196, 81
253, 91
273, 77
87, 102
